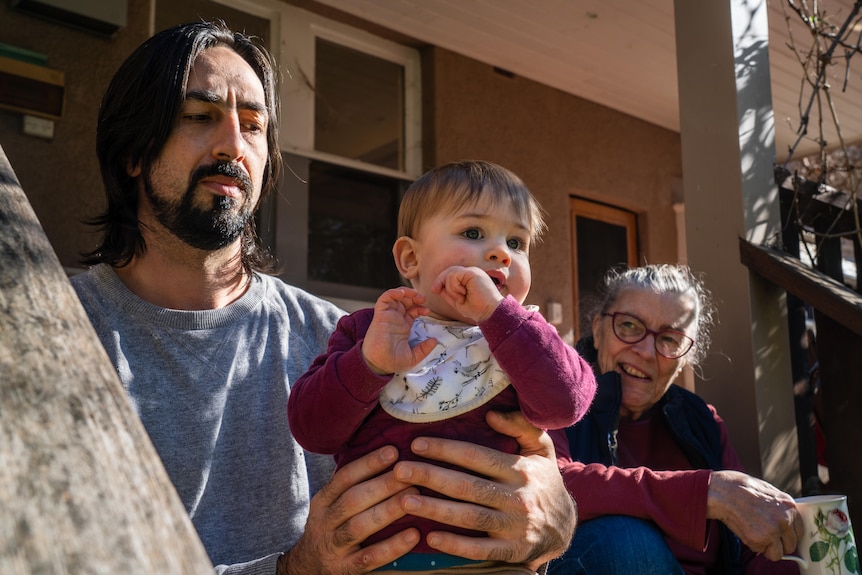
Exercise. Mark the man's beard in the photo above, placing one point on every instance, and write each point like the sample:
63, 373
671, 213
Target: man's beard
205, 228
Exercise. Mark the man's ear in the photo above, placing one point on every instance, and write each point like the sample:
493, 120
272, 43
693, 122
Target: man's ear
133, 170
406, 258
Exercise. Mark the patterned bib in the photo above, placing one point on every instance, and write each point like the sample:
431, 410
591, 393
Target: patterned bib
460, 374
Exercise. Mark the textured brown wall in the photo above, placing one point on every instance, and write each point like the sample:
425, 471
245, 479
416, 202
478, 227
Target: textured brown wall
561, 146
61, 177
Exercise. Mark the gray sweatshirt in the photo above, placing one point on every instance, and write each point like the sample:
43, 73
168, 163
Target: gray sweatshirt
211, 389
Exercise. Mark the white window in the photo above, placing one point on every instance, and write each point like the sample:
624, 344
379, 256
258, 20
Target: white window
349, 97
351, 136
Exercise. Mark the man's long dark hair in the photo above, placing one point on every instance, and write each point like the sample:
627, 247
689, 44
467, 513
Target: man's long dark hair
138, 112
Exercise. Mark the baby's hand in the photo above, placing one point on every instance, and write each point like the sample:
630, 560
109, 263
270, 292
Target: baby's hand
386, 349
471, 291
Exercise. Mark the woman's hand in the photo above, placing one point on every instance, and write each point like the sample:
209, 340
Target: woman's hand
523, 505
762, 516
344, 513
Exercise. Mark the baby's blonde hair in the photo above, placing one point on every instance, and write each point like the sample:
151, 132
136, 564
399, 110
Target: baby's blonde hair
451, 186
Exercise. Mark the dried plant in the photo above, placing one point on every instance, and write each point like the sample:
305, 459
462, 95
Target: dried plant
836, 170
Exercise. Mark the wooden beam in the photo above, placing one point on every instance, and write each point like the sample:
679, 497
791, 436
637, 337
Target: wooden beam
826, 295
82, 489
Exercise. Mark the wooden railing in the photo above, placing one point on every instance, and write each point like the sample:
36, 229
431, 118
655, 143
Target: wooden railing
838, 317
820, 291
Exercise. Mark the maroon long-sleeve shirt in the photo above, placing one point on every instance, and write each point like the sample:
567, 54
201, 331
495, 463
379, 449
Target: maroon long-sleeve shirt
334, 407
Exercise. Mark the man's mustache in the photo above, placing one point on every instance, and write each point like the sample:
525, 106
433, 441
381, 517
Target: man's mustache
227, 169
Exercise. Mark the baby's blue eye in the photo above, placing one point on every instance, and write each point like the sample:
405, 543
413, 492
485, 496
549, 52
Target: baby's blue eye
515, 244
473, 234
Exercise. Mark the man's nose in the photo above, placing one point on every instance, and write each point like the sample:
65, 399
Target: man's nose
229, 144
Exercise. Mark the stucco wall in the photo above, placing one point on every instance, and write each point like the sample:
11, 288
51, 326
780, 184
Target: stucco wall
561, 146
61, 176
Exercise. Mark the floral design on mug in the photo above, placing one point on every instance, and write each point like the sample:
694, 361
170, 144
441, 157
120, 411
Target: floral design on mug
836, 544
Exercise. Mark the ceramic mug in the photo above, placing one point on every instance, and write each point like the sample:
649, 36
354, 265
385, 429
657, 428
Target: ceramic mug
827, 546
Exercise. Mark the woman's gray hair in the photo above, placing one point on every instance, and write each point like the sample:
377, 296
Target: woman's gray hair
661, 279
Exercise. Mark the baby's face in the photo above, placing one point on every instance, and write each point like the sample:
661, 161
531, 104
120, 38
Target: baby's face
489, 236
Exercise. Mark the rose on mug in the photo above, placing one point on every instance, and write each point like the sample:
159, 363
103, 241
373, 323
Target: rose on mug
836, 545
837, 523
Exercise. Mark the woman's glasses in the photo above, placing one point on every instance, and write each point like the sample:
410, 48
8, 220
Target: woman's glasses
668, 343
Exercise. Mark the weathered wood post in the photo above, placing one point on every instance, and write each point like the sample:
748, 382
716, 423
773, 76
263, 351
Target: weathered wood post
82, 490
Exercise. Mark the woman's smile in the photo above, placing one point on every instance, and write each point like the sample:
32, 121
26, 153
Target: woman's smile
632, 371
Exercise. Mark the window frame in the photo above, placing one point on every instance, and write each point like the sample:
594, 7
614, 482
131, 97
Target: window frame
300, 32
283, 216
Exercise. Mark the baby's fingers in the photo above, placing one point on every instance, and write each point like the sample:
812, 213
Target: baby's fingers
451, 289
423, 348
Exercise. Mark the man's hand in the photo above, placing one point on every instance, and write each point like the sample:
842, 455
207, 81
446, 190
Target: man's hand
386, 346
344, 513
762, 516
523, 505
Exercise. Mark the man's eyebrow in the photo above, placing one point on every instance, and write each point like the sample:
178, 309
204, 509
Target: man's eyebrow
211, 97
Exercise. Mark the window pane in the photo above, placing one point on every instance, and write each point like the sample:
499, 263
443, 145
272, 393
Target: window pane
359, 106
352, 226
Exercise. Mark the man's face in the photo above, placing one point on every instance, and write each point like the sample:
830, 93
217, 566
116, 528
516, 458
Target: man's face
204, 185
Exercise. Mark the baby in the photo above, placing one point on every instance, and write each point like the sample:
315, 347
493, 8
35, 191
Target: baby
434, 358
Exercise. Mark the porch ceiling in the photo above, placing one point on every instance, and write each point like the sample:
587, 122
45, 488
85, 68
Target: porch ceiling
620, 53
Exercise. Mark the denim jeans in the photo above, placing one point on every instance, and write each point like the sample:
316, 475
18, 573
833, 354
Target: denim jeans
616, 545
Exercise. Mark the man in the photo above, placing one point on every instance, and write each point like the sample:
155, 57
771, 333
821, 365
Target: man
207, 345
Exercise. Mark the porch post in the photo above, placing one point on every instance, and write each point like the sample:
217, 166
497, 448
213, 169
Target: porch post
727, 134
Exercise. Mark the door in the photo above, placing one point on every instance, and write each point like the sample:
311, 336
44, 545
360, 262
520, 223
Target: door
603, 236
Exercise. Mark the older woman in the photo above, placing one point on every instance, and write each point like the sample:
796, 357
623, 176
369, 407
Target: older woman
658, 486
